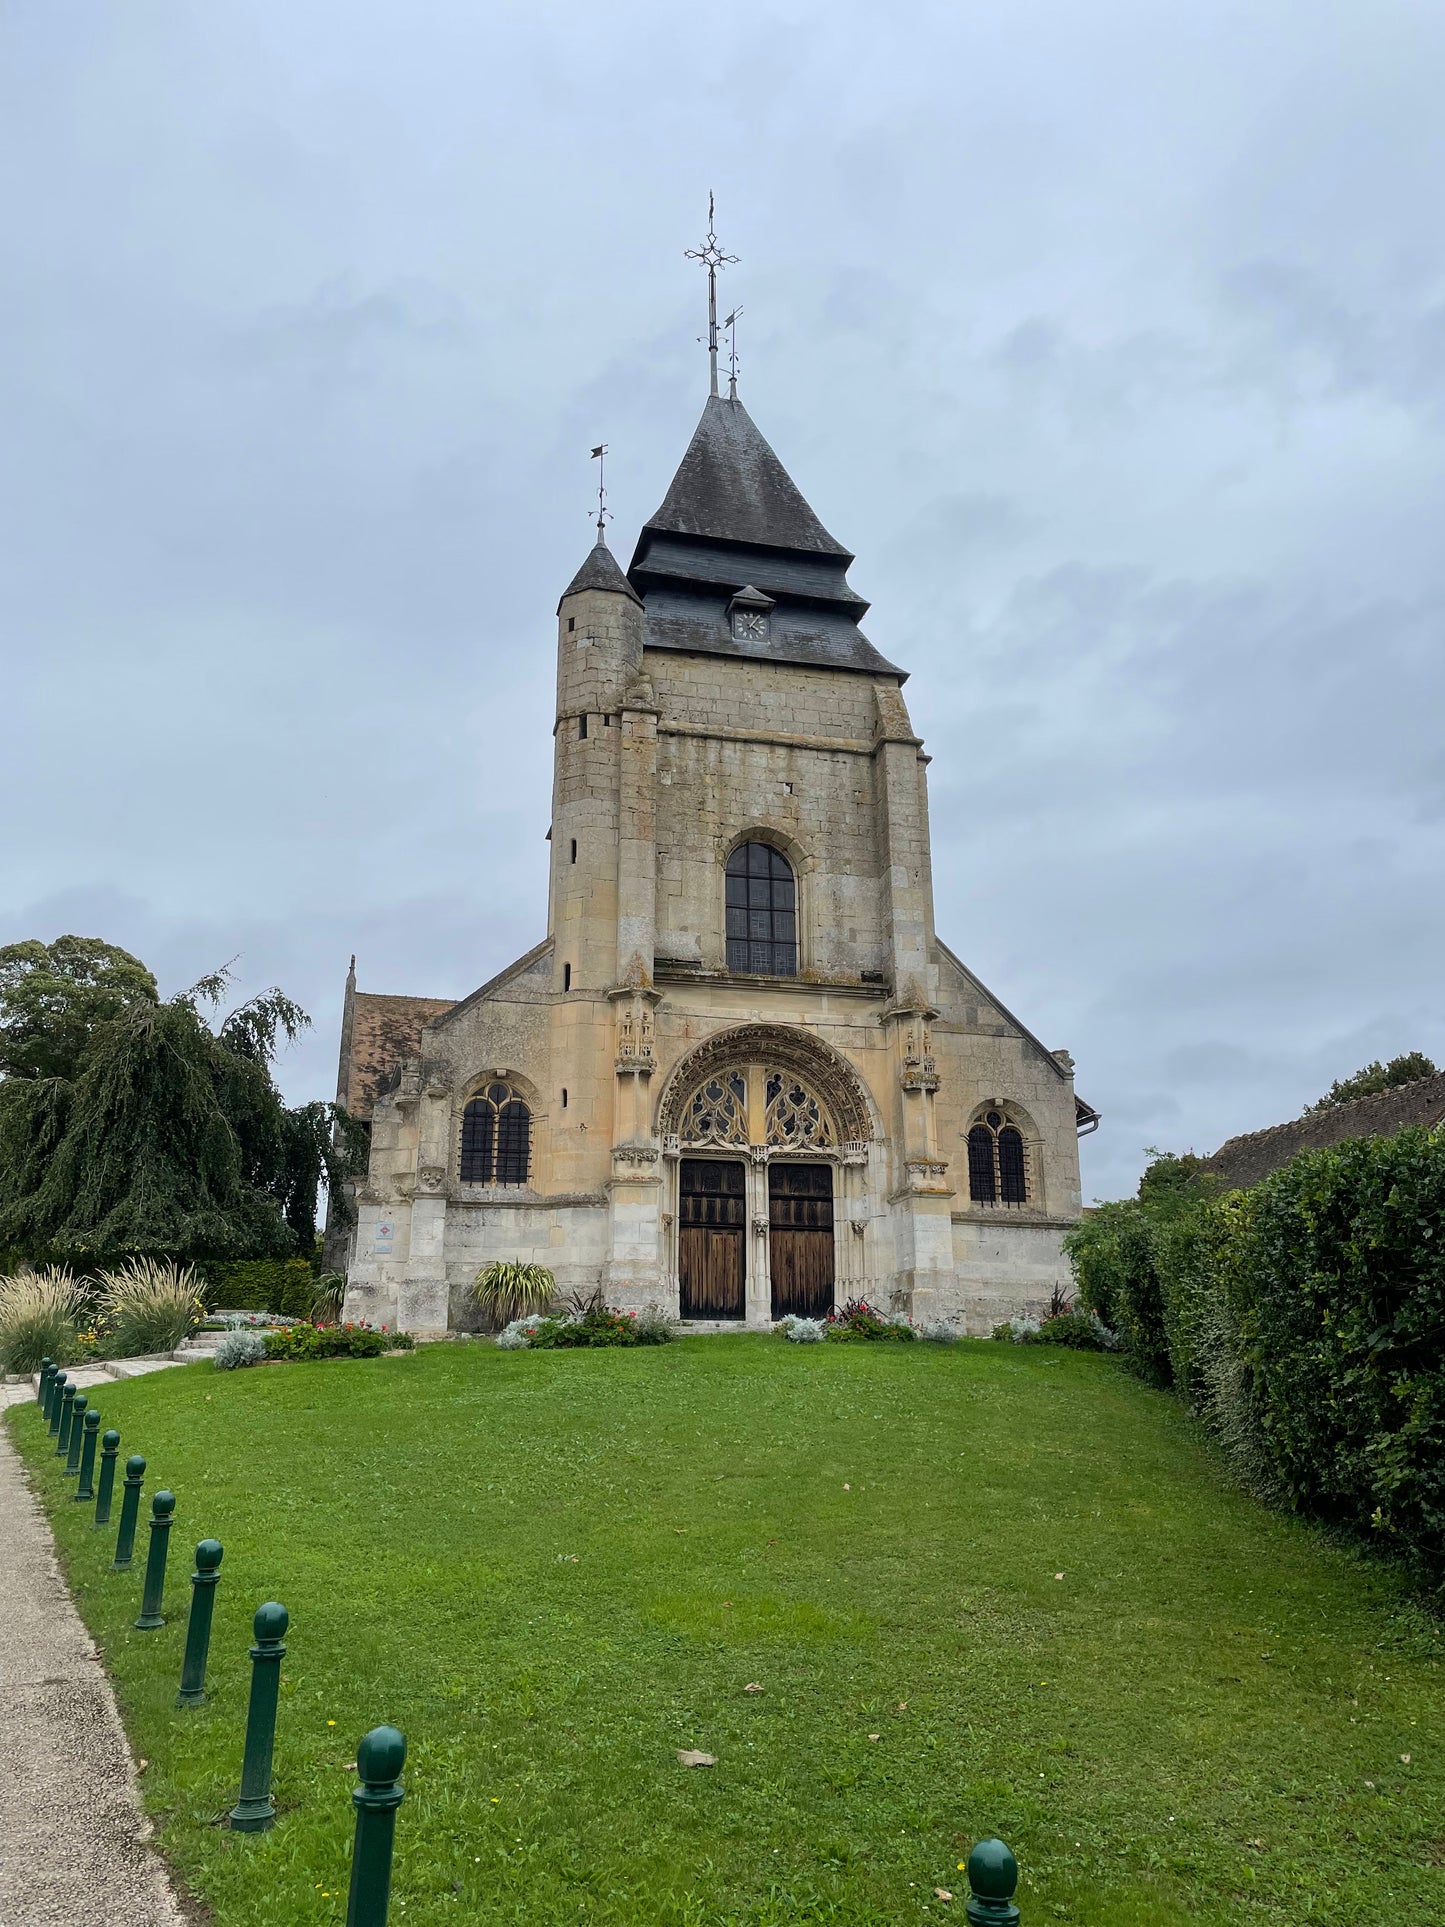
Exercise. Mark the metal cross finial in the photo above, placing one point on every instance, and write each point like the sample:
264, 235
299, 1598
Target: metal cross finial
731, 324
604, 514
712, 258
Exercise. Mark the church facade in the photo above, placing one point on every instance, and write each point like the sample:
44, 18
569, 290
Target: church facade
741, 1075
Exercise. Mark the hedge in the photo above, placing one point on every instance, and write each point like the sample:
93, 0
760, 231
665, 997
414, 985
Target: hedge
284, 1286
1304, 1321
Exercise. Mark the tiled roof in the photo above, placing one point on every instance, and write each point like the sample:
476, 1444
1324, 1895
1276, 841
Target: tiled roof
600, 571
732, 488
384, 1031
1249, 1158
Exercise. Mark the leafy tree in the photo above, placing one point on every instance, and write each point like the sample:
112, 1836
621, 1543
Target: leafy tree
54, 995
169, 1138
1374, 1078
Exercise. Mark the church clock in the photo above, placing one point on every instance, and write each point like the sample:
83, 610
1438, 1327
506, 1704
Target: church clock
750, 625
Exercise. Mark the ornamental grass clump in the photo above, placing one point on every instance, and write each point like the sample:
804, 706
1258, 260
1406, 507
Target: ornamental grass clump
149, 1306
40, 1316
238, 1349
504, 1290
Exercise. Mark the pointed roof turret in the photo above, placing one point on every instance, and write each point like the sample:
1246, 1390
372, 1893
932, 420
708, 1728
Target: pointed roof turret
732, 487
600, 571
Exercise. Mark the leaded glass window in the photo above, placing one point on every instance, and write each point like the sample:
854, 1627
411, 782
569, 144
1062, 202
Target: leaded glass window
998, 1165
794, 1117
762, 912
496, 1137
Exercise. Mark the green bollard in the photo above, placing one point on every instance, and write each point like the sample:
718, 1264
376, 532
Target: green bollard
52, 1410
162, 1507
109, 1446
204, 1581
62, 1428
86, 1489
135, 1472
993, 1874
47, 1372
47, 1390
379, 1759
77, 1435
254, 1811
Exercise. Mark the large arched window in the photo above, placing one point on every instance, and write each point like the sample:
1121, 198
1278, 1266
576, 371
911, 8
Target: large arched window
496, 1138
762, 912
998, 1167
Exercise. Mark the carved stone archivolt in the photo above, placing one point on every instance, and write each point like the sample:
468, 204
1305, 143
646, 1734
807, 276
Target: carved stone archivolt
798, 1060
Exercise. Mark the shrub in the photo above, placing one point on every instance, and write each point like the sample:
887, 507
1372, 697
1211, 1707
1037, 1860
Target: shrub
596, 1326
149, 1306
517, 1336
858, 1321
1080, 1329
1022, 1331
1113, 1259
40, 1314
939, 1331
503, 1291
654, 1326
239, 1348
328, 1295
802, 1331
306, 1341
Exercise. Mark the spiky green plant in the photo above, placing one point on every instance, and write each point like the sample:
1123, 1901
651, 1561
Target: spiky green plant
40, 1314
506, 1289
327, 1297
149, 1306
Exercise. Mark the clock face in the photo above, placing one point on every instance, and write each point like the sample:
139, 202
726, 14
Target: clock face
750, 626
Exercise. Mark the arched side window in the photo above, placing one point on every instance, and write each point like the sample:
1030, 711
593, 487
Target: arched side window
762, 912
496, 1138
998, 1164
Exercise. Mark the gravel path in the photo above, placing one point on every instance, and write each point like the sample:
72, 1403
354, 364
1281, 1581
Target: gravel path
74, 1838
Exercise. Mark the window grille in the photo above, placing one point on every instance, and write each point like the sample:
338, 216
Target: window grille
998, 1168
496, 1138
762, 912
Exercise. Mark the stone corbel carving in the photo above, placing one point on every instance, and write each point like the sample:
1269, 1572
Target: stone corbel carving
671, 1145
860, 1225
760, 1227
929, 1175
760, 1153
855, 1152
922, 1076
431, 1177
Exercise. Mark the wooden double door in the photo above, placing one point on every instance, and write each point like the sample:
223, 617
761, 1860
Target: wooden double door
712, 1238
800, 1238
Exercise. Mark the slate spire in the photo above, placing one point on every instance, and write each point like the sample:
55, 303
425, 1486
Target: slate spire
600, 571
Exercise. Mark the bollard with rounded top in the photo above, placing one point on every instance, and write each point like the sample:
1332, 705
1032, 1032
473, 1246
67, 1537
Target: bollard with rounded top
993, 1874
57, 1387
254, 1811
135, 1472
48, 1372
77, 1434
204, 1581
379, 1760
109, 1447
86, 1489
42, 1383
163, 1506
62, 1434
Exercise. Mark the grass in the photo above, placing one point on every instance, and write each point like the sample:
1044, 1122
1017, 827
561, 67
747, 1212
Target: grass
554, 1570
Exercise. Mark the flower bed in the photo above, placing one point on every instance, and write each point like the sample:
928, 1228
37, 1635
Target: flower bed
307, 1341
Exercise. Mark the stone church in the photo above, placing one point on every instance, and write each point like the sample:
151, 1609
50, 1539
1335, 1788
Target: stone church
740, 1075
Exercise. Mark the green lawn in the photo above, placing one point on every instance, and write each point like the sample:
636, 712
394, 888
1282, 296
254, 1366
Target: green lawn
552, 1570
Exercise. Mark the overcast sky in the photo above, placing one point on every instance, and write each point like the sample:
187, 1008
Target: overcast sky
1110, 336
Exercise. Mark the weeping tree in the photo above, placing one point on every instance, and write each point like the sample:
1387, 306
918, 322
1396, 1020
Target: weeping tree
160, 1135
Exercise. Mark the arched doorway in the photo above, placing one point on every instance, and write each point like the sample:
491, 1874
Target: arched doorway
761, 1120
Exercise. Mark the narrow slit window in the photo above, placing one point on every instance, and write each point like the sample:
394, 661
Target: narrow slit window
582, 729
566, 976
574, 849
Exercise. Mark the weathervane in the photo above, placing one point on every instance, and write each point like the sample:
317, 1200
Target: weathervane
731, 324
604, 514
712, 258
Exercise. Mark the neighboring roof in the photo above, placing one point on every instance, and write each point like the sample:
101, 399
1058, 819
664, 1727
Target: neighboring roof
732, 487
385, 1031
600, 571
1060, 1062
1246, 1160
